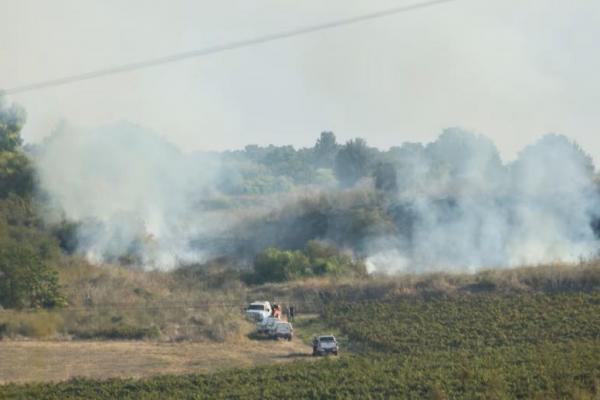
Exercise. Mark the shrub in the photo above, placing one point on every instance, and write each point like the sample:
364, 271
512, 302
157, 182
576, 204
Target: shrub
120, 331
317, 259
26, 281
39, 323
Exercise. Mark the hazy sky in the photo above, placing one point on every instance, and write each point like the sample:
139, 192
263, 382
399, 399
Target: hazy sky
511, 69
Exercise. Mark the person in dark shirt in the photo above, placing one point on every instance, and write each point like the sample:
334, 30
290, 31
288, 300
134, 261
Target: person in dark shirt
292, 312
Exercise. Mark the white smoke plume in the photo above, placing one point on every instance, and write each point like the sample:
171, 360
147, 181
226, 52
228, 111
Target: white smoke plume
132, 191
469, 211
459, 207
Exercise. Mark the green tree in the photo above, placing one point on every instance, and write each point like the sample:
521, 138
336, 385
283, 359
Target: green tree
26, 281
275, 265
12, 119
325, 150
316, 259
16, 171
386, 177
352, 162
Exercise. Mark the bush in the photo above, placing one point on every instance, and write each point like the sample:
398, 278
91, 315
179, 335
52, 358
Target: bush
120, 331
274, 265
26, 281
317, 259
39, 323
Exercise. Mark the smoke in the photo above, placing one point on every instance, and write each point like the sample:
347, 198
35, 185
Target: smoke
132, 192
137, 199
468, 211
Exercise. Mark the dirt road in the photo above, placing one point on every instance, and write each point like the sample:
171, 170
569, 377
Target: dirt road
27, 361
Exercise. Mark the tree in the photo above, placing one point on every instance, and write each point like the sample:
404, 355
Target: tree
325, 150
386, 178
274, 265
26, 281
16, 174
12, 120
16, 171
352, 162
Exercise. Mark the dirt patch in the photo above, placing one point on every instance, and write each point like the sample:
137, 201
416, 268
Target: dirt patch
36, 361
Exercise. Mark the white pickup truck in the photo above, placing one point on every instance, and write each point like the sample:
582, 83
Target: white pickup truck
258, 310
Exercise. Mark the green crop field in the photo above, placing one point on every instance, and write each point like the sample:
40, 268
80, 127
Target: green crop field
474, 322
489, 345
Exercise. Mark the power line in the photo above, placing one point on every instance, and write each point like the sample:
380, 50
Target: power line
219, 48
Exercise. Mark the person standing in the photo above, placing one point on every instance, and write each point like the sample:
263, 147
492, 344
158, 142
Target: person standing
292, 312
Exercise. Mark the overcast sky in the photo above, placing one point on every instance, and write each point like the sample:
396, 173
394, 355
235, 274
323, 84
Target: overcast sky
510, 69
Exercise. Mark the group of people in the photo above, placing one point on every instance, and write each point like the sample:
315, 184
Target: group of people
290, 312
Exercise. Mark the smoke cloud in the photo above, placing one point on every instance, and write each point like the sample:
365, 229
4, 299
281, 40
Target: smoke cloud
131, 191
457, 206
468, 211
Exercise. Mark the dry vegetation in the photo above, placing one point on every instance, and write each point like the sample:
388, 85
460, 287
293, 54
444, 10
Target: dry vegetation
42, 361
313, 292
113, 302
439, 336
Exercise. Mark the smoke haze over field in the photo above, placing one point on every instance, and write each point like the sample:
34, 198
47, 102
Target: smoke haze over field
479, 213
130, 188
512, 69
457, 206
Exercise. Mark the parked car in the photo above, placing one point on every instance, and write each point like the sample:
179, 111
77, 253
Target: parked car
326, 344
263, 327
282, 330
258, 310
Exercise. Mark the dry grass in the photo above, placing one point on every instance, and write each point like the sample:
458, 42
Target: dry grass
43, 361
205, 304
111, 301
310, 293
35, 324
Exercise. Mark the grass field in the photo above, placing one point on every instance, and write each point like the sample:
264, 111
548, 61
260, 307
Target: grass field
487, 345
28, 361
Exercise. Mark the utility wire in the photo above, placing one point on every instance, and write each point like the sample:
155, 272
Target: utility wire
219, 48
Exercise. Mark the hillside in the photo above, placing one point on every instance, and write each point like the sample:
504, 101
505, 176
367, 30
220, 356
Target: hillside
468, 341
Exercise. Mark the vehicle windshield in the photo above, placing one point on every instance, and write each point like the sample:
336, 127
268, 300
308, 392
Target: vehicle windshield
256, 307
327, 339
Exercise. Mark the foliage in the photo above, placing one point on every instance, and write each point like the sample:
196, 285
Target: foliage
352, 162
386, 177
347, 219
12, 119
16, 174
325, 150
26, 252
16, 171
32, 323
317, 259
26, 280
119, 331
